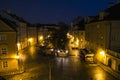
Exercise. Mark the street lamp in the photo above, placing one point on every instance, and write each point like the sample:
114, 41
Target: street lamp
30, 39
102, 53
41, 40
17, 57
101, 56
18, 46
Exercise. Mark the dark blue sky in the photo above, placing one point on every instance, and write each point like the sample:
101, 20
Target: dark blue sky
54, 11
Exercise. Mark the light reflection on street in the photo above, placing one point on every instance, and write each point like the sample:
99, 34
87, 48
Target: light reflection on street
62, 68
32, 51
99, 74
80, 70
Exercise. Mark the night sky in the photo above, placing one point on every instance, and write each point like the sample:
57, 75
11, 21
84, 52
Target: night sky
54, 11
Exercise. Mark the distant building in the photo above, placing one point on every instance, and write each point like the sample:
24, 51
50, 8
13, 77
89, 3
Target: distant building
44, 32
104, 30
32, 35
77, 33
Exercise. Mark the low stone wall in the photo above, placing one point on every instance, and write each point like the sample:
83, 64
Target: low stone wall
110, 71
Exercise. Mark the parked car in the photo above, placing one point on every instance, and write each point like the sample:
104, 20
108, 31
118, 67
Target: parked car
87, 56
61, 53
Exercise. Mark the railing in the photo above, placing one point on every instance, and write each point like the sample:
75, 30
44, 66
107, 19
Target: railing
113, 53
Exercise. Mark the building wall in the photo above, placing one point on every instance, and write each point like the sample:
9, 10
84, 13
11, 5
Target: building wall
115, 35
105, 35
9, 43
22, 34
42, 35
97, 34
7, 65
81, 38
32, 34
8, 48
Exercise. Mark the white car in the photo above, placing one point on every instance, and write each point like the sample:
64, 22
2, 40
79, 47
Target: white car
89, 58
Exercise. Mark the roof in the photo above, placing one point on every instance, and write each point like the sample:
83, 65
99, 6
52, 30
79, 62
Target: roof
9, 23
111, 13
79, 23
14, 16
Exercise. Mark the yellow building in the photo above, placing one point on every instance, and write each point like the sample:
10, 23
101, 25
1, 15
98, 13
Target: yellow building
8, 48
21, 27
103, 36
32, 35
103, 31
22, 34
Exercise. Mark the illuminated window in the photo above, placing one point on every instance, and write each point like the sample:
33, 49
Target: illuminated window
5, 64
3, 50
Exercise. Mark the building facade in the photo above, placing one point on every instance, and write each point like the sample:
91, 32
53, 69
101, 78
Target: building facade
102, 36
8, 48
21, 27
76, 35
32, 35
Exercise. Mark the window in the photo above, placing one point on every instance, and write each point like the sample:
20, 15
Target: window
3, 50
101, 36
81, 33
5, 64
2, 37
98, 26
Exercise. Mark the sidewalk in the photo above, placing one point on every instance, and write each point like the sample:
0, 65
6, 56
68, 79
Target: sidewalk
11, 72
109, 70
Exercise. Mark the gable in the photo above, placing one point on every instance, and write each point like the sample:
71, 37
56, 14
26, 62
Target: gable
4, 27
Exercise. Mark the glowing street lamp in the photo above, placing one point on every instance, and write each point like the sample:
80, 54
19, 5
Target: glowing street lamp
18, 46
101, 56
17, 57
30, 39
41, 38
102, 53
48, 36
